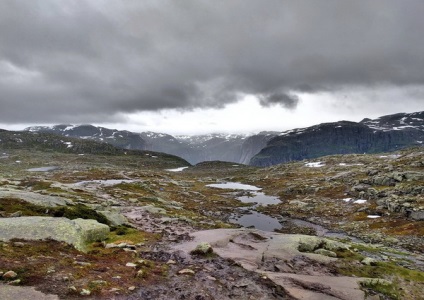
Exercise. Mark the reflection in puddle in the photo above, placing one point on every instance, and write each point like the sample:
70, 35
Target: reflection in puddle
258, 220
259, 198
256, 198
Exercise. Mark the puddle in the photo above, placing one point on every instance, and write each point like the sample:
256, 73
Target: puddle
43, 169
256, 198
258, 220
259, 199
234, 186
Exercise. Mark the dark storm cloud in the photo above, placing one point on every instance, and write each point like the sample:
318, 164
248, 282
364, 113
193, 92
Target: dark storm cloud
285, 100
88, 61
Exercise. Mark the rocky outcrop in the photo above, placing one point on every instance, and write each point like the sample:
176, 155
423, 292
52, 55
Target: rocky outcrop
253, 144
76, 232
275, 256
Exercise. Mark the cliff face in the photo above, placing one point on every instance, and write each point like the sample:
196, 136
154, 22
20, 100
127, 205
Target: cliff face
369, 136
254, 144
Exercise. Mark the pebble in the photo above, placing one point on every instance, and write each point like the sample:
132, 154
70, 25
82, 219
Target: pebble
131, 288
186, 272
85, 292
132, 265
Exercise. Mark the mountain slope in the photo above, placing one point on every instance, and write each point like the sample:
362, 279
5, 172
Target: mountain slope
118, 138
51, 142
386, 133
194, 149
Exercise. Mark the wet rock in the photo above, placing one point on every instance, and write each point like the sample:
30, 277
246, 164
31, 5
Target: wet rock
76, 232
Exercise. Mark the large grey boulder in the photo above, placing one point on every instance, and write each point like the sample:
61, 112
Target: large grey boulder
76, 232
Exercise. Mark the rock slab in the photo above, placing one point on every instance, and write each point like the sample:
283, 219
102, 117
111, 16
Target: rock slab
76, 232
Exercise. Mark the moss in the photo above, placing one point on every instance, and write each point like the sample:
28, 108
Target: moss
382, 287
79, 211
35, 184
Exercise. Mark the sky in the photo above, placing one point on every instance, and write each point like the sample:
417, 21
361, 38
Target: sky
199, 66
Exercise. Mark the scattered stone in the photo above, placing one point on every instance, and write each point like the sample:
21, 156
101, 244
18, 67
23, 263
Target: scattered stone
171, 262
85, 292
18, 244
9, 275
131, 288
131, 265
140, 274
186, 272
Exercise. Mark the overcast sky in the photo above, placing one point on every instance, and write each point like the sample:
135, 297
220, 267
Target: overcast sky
186, 67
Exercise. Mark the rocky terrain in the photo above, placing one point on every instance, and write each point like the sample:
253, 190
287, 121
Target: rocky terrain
144, 225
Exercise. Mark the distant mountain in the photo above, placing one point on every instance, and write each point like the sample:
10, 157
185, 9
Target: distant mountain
387, 133
224, 147
118, 138
52, 142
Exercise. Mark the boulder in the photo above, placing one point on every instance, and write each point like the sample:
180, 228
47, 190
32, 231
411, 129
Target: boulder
76, 232
416, 215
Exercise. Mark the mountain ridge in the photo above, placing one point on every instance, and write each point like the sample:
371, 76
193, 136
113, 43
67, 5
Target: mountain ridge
386, 133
